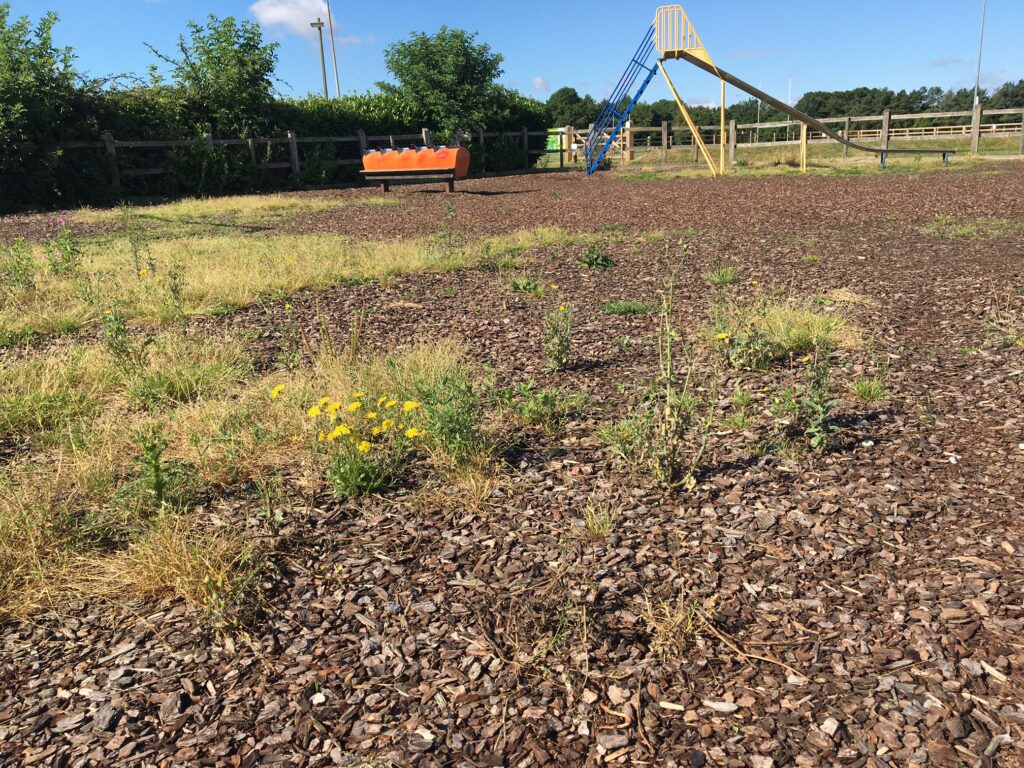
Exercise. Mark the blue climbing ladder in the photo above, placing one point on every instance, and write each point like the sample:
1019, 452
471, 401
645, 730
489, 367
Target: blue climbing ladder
616, 110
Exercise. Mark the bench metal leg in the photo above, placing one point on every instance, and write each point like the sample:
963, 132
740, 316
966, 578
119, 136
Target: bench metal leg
385, 187
451, 185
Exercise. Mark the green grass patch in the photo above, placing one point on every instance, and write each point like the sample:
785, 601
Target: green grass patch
628, 307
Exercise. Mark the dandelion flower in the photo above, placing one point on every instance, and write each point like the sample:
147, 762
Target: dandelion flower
391, 404
142, 272
805, 359
276, 391
386, 425
554, 287
343, 429
321, 437
324, 401
313, 412
363, 447
753, 282
333, 407
108, 312
381, 400
722, 336
376, 431
562, 308
287, 307
295, 438
371, 415
357, 395
413, 433
354, 406
409, 405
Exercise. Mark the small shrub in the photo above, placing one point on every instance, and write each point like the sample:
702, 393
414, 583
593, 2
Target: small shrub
628, 307
453, 412
870, 389
811, 258
805, 410
545, 407
626, 437
596, 257
721, 276
558, 338
673, 628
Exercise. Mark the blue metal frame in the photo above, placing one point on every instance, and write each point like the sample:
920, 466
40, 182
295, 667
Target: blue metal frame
609, 114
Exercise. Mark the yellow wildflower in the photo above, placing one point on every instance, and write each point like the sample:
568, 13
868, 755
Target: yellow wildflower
363, 447
321, 437
313, 412
276, 391
142, 272
371, 415
354, 406
391, 404
387, 424
381, 400
562, 308
554, 287
805, 359
295, 438
358, 395
753, 282
413, 433
333, 407
409, 405
108, 312
324, 401
287, 307
722, 336
376, 431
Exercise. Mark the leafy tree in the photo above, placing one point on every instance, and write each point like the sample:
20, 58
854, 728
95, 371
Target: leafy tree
446, 80
37, 102
225, 71
567, 107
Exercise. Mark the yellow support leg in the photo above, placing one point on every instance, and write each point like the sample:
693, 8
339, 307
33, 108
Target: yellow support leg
721, 142
689, 122
803, 147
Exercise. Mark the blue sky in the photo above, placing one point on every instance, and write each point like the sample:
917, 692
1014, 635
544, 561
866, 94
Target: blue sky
818, 44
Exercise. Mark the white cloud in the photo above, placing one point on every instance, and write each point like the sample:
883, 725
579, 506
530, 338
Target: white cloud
540, 84
290, 15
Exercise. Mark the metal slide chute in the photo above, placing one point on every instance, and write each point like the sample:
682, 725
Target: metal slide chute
673, 36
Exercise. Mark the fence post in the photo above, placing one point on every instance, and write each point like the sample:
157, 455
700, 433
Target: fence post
428, 138
208, 140
111, 149
976, 129
886, 116
570, 139
293, 152
732, 143
630, 141
526, 148
483, 152
362, 140
561, 149
846, 135
1022, 133
664, 141
252, 151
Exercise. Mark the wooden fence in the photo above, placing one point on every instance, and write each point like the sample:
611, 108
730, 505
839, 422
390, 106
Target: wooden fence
114, 149
635, 139
568, 142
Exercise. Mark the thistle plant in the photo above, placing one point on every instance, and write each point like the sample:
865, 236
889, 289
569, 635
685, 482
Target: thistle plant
63, 251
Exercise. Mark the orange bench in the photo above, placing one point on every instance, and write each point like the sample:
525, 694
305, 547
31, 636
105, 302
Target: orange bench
416, 166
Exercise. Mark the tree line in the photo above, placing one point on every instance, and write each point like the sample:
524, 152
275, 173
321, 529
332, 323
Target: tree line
567, 107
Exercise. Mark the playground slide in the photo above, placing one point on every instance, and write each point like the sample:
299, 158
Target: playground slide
796, 114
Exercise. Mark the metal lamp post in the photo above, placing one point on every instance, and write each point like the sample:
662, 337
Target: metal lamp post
334, 52
318, 25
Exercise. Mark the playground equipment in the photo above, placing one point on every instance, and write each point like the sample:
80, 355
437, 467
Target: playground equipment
673, 36
416, 165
